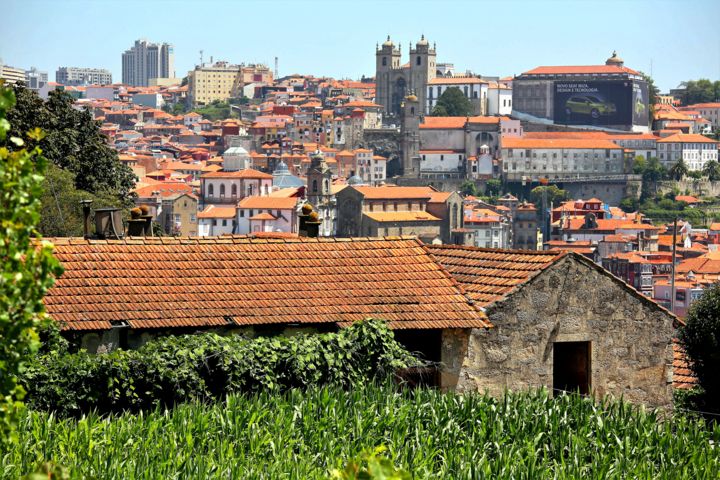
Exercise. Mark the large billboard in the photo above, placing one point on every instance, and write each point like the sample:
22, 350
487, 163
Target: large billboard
641, 101
608, 103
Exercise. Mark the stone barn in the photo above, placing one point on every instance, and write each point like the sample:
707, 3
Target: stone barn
559, 321
490, 319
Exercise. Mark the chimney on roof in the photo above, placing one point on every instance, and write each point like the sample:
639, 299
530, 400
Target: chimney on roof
86, 217
309, 221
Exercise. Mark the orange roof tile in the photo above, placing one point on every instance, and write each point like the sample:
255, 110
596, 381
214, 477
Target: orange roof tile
683, 376
401, 216
391, 192
246, 173
579, 69
551, 143
686, 138
272, 202
490, 274
444, 123
165, 282
213, 211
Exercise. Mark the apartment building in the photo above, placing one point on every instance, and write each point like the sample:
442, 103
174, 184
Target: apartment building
11, 74
83, 76
216, 81
535, 158
145, 60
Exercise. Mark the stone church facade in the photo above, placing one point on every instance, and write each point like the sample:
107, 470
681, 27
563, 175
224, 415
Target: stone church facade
394, 81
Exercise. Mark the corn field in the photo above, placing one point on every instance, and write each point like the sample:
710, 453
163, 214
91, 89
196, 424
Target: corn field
303, 435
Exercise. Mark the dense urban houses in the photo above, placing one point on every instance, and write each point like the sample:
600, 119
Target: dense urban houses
548, 317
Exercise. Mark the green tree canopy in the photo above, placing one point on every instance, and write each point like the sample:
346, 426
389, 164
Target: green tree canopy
554, 194
73, 141
468, 188
712, 170
700, 91
493, 187
452, 103
701, 339
27, 270
679, 170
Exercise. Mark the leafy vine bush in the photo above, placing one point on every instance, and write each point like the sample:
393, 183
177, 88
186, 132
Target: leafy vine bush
208, 366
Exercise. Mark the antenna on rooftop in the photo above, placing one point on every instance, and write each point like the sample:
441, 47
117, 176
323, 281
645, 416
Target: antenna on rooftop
201, 58
276, 68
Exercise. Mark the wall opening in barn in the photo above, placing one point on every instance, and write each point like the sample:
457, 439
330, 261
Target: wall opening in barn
571, 367
427, 345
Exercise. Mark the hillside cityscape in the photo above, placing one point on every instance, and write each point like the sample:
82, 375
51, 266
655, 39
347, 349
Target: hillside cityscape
423, 272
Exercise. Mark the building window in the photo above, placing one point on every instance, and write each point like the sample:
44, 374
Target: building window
242, 213
384, 61
211, 190
418, 61
222, 190
233, 191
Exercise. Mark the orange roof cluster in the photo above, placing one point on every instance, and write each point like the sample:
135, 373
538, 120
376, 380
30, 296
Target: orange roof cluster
246, 173
214, 211
490, 274
162, 282
271, 202
401, 216
553, 143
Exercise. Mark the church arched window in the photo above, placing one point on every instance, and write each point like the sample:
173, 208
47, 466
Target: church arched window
211, 190
418, 60
412, 110
327, 186
222, 190
233, 190
314, 186
384, 61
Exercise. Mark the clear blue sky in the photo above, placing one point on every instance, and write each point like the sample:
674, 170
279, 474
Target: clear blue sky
337, 38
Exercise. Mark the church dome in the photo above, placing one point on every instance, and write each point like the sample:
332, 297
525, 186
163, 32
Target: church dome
355, 180
388, 42
422, 41
614, 60
282, 178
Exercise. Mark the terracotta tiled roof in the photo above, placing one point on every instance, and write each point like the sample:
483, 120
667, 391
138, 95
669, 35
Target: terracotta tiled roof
213, 211
489, 274
269, 202
401, 216
391, 192
683, 376
165, 189
247, 173
443, 123
579, 69
686, 138
233, 280
553, 143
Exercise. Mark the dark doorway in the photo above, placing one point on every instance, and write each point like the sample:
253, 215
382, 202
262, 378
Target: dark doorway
426, 344
571, 367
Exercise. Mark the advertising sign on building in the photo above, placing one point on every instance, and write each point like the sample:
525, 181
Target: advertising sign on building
605, 103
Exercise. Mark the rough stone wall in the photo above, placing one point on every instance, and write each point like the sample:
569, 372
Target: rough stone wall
687, 186
631, 340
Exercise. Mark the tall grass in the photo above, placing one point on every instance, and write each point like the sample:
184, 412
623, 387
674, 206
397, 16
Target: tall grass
302, 435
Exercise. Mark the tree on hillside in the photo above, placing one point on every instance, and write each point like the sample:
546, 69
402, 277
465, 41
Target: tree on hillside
653, 94
679, 170
493, 187
554, 194
712, 170
26, 269
652, 172
468, 188
73, 141
700, 91
452, 103
62, 213
700, 338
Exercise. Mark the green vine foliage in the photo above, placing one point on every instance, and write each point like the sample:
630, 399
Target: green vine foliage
208, 366
28, 266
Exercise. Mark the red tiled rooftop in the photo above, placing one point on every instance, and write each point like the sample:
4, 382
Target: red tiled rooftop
489, 274
234, 280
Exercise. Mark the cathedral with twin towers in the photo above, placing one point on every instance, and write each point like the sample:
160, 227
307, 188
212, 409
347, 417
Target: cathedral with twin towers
394, 80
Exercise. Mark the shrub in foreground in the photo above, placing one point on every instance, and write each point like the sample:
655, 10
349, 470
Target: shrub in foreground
307, 434
209, 366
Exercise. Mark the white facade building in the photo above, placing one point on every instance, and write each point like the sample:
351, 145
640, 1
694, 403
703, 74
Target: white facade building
499, 99
228, 188
267, 214
531, 158
216, 220
83, 76
694, 149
